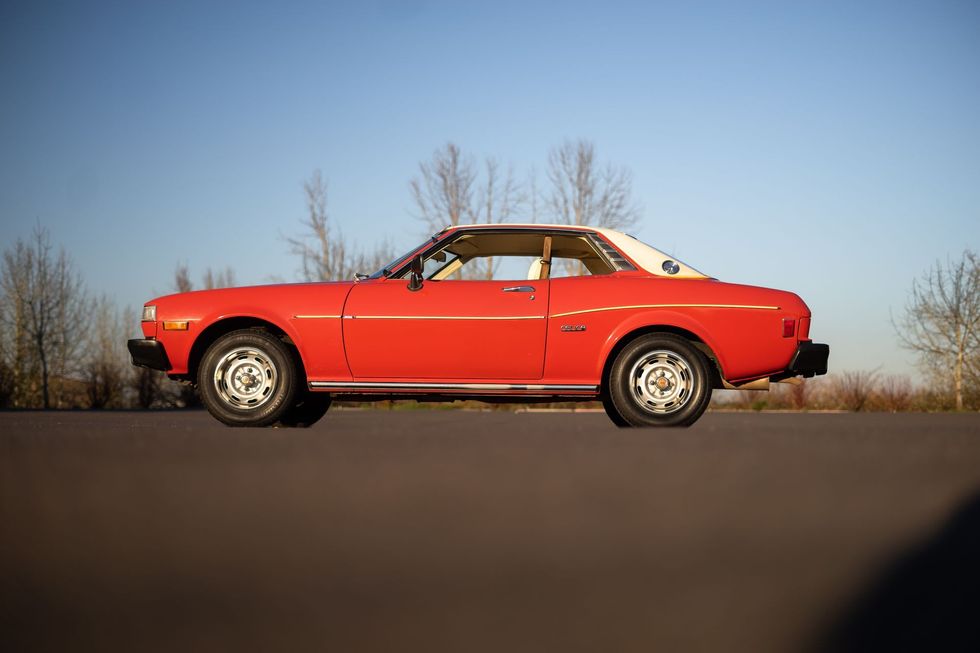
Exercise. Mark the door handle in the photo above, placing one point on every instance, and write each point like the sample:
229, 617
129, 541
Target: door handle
518, 289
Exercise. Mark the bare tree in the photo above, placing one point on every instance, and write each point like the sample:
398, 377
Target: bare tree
585, 193
106, 361
942, 322
220, 279
319, 254
533, 199
211, 280
324, 253
449, 191
854, 388
44, 302
443, 191
182, 278
6, 371
498, 200
20, 366
894, 393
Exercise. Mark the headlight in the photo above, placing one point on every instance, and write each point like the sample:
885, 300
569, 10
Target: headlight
149, 314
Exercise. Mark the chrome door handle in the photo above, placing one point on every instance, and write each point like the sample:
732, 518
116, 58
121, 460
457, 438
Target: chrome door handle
519, 289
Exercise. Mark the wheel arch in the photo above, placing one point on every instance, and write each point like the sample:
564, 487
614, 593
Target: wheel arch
226, 325
715, 368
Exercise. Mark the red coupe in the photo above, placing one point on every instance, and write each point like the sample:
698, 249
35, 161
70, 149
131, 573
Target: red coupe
513, 313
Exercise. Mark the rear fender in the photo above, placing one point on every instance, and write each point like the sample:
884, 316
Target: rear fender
650, 321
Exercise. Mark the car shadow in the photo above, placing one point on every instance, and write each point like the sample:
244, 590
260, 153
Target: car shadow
927, 599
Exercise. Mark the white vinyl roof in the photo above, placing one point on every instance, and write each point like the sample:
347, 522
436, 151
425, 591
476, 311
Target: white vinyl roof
649, 258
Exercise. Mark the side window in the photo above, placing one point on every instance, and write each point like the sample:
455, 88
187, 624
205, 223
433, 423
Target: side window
436, 262
488, 256
500, 268
576, 256
568, 267
514, 256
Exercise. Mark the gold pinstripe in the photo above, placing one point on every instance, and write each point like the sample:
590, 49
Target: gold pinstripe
619, 308
534, 317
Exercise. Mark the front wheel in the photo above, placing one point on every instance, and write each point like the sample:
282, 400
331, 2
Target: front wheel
248, 378
659, 380
612, 413
307, 411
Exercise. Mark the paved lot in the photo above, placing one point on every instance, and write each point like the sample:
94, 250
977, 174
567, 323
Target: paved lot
466, 531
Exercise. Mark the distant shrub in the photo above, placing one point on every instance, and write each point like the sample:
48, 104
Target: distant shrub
892, 393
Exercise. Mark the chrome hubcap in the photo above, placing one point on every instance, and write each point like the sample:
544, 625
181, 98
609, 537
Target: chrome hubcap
245, 378
661, 382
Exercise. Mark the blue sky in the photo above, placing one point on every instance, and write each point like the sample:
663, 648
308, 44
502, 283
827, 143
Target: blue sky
828, 148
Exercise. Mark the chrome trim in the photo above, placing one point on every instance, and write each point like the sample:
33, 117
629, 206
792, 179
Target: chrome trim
383, 385
316, 317
619, 308
445, 317
518, 289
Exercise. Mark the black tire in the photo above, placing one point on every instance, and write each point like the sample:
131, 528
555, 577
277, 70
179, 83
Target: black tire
307, 411
659, 380
248, 378
612, 413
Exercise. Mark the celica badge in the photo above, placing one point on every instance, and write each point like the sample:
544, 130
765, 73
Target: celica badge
573, 327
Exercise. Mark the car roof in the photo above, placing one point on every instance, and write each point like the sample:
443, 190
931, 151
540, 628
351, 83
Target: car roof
526, 225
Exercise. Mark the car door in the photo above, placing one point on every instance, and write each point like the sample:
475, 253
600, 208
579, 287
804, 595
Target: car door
449, 329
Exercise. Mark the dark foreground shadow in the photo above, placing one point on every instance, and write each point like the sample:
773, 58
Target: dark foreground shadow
926, 600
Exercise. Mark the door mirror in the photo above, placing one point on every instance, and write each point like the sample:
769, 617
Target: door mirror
415, 274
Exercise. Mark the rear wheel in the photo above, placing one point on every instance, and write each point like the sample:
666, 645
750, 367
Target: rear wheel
659, 380
307, 411
248, 378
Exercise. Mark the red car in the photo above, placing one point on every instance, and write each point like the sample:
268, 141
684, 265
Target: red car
513, 313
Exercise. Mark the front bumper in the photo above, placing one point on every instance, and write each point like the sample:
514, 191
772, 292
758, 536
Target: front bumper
810, 359
149, 353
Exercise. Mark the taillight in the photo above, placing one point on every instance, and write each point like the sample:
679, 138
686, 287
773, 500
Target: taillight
789, 327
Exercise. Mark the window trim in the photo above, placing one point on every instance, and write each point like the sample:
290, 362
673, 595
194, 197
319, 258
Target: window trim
618, 264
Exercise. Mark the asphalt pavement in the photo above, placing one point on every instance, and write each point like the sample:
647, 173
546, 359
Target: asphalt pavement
489, 531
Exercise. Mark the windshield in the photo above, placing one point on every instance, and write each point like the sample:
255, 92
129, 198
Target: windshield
390, 266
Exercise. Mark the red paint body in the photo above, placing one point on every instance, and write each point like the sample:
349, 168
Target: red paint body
471, 332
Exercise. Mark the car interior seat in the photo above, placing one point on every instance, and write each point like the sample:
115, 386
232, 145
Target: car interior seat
534, 271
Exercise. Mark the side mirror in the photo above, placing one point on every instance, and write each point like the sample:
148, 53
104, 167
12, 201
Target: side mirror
415, 275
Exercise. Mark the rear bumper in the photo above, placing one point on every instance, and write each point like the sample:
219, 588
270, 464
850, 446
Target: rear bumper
810, 359
149, 353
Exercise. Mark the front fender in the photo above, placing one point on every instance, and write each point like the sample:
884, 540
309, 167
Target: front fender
180, 344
